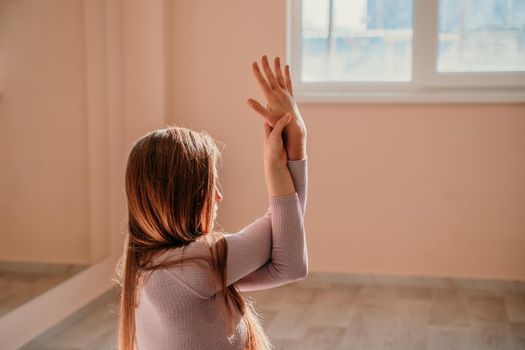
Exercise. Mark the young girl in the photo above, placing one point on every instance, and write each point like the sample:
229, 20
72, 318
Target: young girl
181, 280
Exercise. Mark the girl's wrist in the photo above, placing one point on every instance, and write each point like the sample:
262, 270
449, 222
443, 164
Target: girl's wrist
278, 180
276, 167
296, 150
296, 153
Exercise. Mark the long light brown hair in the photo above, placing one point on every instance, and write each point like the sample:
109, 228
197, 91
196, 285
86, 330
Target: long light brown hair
171, 174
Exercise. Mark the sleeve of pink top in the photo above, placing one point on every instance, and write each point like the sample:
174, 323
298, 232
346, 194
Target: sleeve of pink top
269, 252
268, 276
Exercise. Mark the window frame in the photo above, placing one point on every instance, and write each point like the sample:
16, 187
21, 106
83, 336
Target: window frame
427, 84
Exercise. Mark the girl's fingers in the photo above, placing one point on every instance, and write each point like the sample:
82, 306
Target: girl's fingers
279, 73
267, 130
288, 79
277, 129
279, 126
267, 89
268, 72
264, 112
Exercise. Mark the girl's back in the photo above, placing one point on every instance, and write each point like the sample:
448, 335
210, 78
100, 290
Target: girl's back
181, 280
180, 307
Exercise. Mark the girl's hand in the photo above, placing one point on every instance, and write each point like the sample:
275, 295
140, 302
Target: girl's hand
278, 178
278, 91
274, 151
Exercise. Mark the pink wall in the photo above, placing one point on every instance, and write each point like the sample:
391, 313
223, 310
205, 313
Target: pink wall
54, 202
398, 189
434, 190
143, 67
44, 209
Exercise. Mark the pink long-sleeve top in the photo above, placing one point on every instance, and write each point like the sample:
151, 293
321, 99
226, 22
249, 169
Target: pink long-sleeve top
176, 308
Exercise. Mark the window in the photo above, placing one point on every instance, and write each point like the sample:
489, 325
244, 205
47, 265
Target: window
407, 50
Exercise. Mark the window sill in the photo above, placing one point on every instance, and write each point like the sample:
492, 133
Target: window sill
428, 96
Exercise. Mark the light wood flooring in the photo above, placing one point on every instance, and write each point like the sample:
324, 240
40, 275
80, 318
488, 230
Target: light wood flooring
20, 282
316, 315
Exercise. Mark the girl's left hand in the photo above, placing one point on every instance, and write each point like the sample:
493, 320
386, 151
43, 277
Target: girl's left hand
274, 152
278, 91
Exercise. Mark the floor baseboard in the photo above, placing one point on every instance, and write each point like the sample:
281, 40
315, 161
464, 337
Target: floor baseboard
318, 278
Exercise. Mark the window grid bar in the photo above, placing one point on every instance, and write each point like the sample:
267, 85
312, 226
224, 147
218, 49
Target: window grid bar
424, 41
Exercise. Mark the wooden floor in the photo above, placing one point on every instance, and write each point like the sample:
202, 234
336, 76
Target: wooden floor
19, 283
313, 315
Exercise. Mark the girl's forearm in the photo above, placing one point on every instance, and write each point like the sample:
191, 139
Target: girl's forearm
296, 152
295, 140
278, 180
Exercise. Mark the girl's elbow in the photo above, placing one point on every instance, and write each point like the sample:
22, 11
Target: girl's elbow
304, 272
300, 273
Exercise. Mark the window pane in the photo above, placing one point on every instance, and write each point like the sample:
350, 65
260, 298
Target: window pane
356, 40
481, 35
